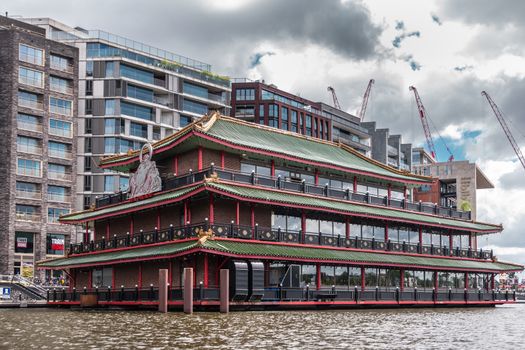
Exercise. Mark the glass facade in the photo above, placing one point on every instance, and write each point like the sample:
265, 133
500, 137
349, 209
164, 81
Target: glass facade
194, 107
60, 106
195, 90
245, 94
60, 85
140, 93
136, 74
136, 111
28, 167
139, 130
60, 128
53, 214
31, 54
30, 77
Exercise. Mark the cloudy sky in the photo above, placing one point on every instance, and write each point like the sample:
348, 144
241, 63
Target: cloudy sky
450, 50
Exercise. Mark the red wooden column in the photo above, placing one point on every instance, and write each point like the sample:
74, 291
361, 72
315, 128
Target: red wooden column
90, 279
107, 230
205, 270
450, 242
158, 219
272, 169
212, 209
199, 158
466, 280
470, 241
355, 184
405, 194
303, 226
493, 281
237, 212
131, 222
252, 216
436, 281
139, 279
316, 178
389, 193
318, 277
176, 165
347, 227
222, 159
363, 280
420, 236
185, 206
401, 279
386, 231
113, 279
170, 273
86, 234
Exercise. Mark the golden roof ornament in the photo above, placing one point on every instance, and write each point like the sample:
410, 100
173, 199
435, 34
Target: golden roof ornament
205, 235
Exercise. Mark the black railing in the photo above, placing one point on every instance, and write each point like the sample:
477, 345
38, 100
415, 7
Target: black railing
257, 232
306, 293
294, 186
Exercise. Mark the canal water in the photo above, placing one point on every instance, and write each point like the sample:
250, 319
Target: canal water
473, 328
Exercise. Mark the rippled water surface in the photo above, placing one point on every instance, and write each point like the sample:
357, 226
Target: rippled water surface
474, 328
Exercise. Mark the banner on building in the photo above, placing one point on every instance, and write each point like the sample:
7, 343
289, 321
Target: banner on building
21, 242
57, 243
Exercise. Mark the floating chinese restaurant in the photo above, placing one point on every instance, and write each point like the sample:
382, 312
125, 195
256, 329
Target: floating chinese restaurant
296, 221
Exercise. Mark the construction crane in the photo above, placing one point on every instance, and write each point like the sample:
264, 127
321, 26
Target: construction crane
505, 127
334, 97
362, 112
426, 128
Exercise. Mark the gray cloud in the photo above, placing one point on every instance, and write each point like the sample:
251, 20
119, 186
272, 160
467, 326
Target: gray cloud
514, 180
255, 59
463, 68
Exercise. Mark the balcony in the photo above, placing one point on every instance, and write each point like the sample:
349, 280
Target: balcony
22, 216
69, 68
273, 235
29, 149
54, 197
30, 58
23, 125
28, 194
61, 132
60, 154
60, 110
39, 83
55, 175
61, 89
24, 102
34, 172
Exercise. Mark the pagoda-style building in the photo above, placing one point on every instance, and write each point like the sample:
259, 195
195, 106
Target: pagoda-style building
299, 222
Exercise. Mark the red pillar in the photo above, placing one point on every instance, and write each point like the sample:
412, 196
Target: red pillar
131, 228
86, 235
493, 281
386, 231
107, 230
185, 212
401, 279
436, 280
139, 282
158, 219
470, 241
389, 193
272, 171
222, 159
252, 216
90, 279
318, 276
316, 177
420, 235
199, 159
176, 165
450, 244
363, 281
212, 209
466, 280
303, 225
113, 279
205, 270
347, 227
237, 213
355, 184
170, 273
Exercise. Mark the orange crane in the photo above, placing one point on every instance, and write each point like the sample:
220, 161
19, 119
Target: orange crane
362, 112
426, 128
505, 127
334, 97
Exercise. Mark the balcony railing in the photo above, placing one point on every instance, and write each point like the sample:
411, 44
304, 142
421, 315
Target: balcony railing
38, 60
60, 110
28, 217
28, 194
62, 67
28, 171
53, 197
29, 149
275, 294
60, 154
37, 127
55, 175
295, 186
31, 81
271, 235
61, 88
25, 102
61, 132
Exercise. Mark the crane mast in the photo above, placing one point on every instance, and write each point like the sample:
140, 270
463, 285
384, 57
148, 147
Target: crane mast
424, 122
334, 97
505, 127
362, 112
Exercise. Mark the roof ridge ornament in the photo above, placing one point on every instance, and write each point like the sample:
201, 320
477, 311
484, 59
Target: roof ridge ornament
146, 179
205, 235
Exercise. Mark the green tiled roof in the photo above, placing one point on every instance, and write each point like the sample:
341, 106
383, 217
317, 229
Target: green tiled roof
260, 138
262, 250
347, 206
146, 252
87, 214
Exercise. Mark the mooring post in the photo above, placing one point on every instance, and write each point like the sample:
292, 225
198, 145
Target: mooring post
188, 290
163, 290
225, 291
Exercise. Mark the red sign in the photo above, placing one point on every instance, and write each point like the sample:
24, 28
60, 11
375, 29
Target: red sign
57, 244
21, 242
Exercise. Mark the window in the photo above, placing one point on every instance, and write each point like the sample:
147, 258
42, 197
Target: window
194, 107
53, 214
88, 145
31, 55
123, 183
27, 190
60, 106
110, 126
195, 90
136, 74
60, 85
294, 121
109, 183
261, 114
26, 212
184, 120
24, 242
137, 111
56, 244
30, 77
60, 128
308, 125
89, 87
140, 93
57, 193
27, 99
56, 171
28, 145
87, 183
139, 130
89, 68
87, 202
102, 277
245, 94
308, 275
61, 63
89, 106
28, 122
59, 150
110, 107
28, 167
110, 69
284, 118
110, 145
273, 115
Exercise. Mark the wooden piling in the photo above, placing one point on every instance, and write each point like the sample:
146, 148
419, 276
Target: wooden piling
225, 291
163, 290
188, 290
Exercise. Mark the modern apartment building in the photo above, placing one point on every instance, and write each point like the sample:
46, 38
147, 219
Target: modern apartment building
130, 93
38, 105
265, 104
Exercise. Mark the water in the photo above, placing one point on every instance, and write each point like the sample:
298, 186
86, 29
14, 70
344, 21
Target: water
472, 328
